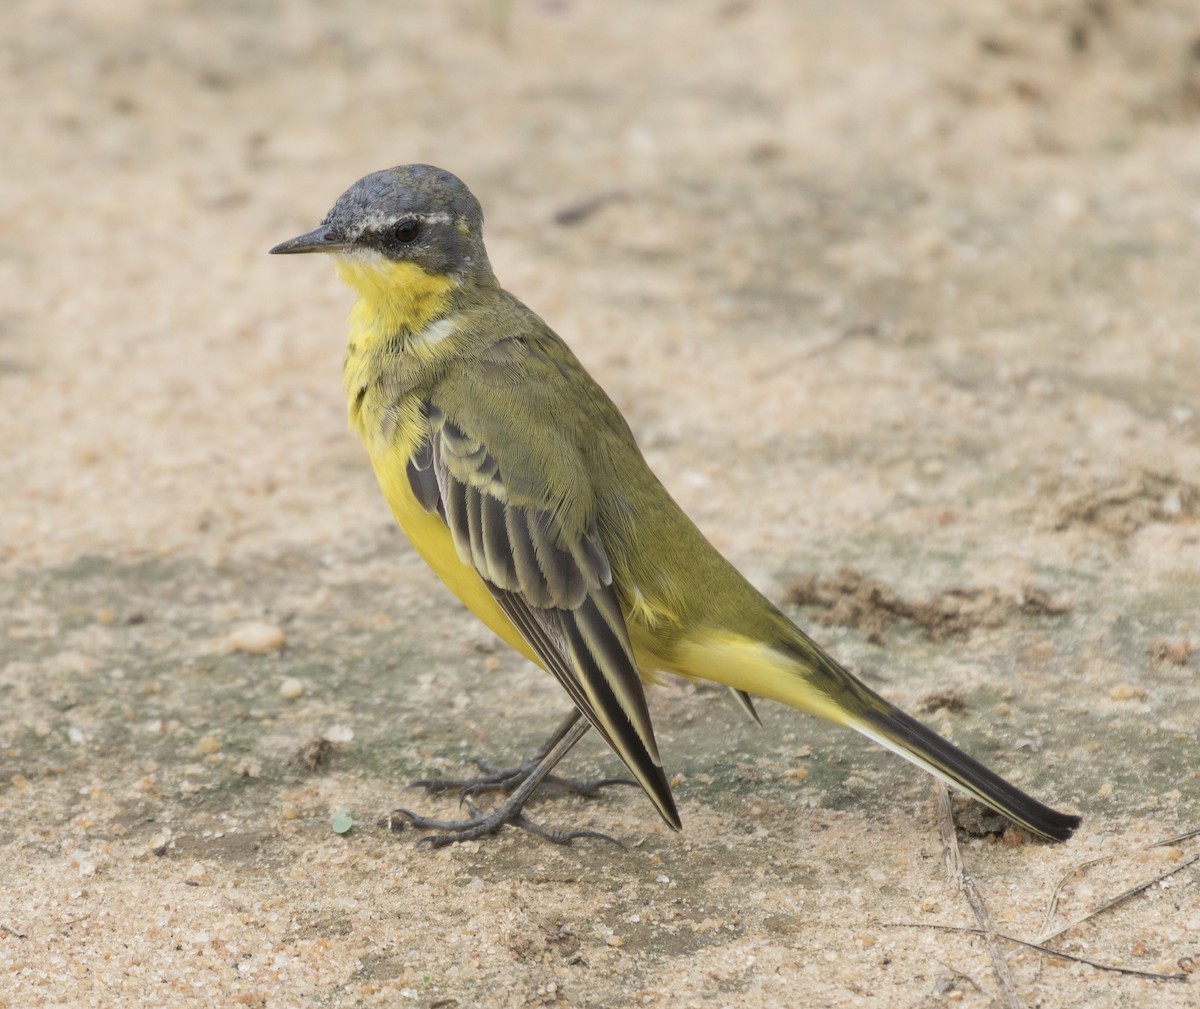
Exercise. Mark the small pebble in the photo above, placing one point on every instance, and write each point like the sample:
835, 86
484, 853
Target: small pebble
291, 688
1174, 652
256, 639
207, 744
339, 734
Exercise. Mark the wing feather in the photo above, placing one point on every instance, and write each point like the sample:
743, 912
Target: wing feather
592, 560
559, 570
532, 585
475, 529
454, 500
497, 549
423, 480
600, 650
556, 590
544, 641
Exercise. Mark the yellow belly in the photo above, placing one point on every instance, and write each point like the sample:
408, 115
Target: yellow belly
431, 539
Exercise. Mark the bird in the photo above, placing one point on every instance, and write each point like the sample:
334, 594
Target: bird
519, 482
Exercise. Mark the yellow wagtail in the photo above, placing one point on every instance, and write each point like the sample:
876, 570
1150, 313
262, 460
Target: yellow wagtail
519, 482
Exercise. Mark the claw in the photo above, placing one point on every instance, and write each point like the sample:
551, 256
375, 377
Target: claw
481, 824
521, 782
505, 779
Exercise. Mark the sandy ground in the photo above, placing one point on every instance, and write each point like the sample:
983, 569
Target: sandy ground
903, 287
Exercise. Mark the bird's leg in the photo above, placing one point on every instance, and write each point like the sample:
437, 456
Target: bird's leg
505, 779
510, 812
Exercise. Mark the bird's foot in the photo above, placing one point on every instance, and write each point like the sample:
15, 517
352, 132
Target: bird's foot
507, 779
520, 782
509, 813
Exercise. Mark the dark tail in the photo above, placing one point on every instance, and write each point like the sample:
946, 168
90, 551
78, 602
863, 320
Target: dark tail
905, 735
852, 703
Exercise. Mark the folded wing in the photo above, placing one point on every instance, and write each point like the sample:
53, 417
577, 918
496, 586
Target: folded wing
555, 586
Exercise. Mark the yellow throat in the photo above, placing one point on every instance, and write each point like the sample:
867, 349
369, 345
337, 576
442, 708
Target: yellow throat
393, 298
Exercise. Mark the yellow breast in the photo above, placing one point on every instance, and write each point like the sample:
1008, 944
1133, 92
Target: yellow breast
393, 298
431, 539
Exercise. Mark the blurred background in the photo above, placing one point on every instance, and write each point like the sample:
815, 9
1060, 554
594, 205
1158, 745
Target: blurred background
899, 287
828, 222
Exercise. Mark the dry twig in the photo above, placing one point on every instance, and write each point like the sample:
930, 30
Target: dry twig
1052, 906
962, 878
1114, 901
1048, 951
966, 885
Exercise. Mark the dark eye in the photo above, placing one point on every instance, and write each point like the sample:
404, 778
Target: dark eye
405, 231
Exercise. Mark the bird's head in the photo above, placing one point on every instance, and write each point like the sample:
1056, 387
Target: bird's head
402, 225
